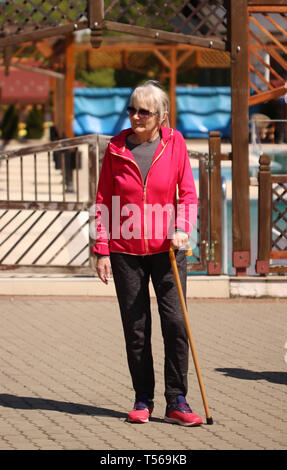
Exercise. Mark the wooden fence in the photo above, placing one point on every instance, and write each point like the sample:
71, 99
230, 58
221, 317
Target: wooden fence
41, 218
272, 220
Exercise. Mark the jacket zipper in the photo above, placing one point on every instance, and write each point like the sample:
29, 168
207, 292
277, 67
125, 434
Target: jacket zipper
144, 188
145, 217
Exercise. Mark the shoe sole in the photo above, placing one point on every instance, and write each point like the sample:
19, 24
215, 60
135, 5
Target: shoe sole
181, 423
138, 421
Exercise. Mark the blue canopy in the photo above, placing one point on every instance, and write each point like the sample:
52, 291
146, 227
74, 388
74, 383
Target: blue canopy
199, 110
203, 109
101, 110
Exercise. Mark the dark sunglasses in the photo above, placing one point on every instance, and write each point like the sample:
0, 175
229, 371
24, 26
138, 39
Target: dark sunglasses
142, 113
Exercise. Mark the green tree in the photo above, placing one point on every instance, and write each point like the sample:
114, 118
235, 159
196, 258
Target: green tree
101, 78
34, 124
9, 125
143, 13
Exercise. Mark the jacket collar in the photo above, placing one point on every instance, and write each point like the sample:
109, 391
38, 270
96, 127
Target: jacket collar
119, 141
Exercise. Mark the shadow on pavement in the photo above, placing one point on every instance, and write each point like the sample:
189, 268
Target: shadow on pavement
32, 403
245, 374
26, 403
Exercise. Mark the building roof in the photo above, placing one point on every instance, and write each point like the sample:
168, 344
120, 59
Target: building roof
23, 86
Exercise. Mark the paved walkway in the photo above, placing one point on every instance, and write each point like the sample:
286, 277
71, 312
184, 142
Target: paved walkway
65, 383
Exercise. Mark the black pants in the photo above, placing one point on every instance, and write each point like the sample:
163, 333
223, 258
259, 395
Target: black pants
131, 276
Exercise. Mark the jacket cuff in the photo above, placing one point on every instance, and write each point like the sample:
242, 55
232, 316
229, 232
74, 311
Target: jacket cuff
101, 249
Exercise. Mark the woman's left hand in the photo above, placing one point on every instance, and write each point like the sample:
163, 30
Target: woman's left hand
179, 241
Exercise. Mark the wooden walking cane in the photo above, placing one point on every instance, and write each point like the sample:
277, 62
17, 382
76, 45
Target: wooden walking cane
209, 419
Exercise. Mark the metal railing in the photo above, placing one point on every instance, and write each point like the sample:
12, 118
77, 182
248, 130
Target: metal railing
44, 214
45, 223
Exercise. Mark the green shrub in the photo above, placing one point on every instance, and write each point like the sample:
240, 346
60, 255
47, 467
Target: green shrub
9, 125
101, 78
34, 124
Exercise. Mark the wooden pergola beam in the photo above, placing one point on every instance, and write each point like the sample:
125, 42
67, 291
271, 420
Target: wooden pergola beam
270, 35
270, 8
238, 19
267, 3
39, 70
69, 85
63, 91
266, 65
37, 35
164, 36
267, 95
172, 86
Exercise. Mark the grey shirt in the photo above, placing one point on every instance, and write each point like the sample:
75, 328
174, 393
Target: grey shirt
143, 154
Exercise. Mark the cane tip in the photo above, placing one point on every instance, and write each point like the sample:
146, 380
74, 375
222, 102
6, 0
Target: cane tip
209, 420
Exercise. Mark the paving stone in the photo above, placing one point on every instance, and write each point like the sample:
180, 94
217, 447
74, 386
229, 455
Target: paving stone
65, 381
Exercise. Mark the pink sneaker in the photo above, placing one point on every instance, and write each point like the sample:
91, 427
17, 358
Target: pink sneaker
141, 412
179, 412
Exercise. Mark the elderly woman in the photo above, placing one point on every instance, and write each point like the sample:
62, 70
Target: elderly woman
147, 203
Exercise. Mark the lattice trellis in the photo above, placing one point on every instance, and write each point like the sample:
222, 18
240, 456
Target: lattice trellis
115, 56
272, 220
16, 16
279, 219
26, 20
206, 19
200, 23
198, 260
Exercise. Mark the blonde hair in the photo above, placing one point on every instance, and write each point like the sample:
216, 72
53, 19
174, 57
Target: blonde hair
154, 95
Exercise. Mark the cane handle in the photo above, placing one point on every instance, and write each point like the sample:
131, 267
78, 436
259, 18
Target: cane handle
188, 251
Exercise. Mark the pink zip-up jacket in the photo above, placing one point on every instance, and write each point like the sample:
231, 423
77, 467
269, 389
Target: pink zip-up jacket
140, 217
